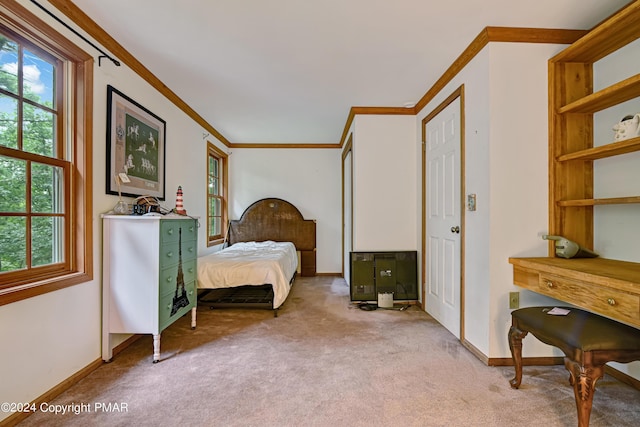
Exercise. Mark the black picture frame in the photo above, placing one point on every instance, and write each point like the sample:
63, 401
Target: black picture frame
136, 147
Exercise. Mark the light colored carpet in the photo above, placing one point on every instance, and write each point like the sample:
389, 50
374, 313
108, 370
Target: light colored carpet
324, 362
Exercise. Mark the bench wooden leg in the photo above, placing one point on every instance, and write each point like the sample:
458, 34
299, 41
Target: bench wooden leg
515, 345
583, 379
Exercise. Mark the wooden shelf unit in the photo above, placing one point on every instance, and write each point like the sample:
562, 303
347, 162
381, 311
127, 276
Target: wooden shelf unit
605, 98
605, 286
613, 149
595, 202
572, 103
616, 31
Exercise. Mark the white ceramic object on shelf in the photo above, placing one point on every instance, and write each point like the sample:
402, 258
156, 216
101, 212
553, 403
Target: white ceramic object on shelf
628, 127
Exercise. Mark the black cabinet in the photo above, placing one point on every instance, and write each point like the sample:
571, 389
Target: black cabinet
384, 272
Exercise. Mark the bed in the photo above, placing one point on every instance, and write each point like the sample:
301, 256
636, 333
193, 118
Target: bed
267, 247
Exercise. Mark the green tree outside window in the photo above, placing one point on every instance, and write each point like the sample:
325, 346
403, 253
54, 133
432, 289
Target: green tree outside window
32, 176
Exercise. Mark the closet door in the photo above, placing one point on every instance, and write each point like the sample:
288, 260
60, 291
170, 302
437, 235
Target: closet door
443, 217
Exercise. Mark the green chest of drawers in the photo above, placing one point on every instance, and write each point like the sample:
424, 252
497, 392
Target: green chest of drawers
177, 265
149, 276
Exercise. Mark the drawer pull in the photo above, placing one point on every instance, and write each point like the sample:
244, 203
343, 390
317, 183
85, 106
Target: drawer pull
169, 254
170, 231
611, 301
550, 284
169, 306
169, 280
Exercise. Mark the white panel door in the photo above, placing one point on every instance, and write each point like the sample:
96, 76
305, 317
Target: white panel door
443, 217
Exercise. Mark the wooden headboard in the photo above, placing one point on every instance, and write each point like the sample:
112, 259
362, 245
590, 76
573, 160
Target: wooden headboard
280, 221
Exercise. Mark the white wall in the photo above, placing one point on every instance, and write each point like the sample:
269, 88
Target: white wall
384, 183
518, 171
506, 167
48, 338
308, 178
506, 136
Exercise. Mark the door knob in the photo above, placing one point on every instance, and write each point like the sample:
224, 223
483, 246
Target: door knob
455, 229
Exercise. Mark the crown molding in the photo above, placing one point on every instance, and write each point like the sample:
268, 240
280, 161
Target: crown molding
73, 12
486, 36
280, 145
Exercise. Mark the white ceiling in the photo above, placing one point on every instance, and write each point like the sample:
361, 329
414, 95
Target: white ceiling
288, 71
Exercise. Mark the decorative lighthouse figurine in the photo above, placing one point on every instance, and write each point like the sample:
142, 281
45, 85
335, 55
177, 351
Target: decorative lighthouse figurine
179, 208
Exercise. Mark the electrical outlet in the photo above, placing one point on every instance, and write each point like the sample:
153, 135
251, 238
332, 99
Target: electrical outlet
514, 300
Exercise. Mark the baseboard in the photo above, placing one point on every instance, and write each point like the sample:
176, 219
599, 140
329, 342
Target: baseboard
504, 361
53, 393
622, 377
477, 353
57, 390
126, 343
507, 361
330, 274
527, 361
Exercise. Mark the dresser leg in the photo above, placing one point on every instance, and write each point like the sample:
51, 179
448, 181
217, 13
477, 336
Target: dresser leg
156, 348
193, 318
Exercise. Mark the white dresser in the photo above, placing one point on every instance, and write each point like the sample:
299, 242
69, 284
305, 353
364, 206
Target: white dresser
149, 275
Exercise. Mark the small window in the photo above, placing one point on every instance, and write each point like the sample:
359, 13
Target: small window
216, 195
45, 179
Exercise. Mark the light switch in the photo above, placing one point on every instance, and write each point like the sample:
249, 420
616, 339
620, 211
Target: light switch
471, 202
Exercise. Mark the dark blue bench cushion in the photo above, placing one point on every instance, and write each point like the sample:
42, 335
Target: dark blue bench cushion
579, 329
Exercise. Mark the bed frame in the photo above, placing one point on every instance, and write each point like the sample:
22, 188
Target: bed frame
267, 219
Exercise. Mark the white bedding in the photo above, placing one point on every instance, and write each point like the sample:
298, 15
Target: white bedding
250, 263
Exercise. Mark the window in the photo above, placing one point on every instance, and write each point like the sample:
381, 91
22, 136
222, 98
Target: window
45, 150
216, 195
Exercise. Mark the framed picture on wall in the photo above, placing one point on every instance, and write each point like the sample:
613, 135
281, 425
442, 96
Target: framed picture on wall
135, 148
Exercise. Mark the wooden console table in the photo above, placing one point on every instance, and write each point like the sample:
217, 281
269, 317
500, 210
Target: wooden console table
604, 286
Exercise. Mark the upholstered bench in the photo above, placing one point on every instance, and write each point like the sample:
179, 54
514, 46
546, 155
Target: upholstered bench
588, 341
